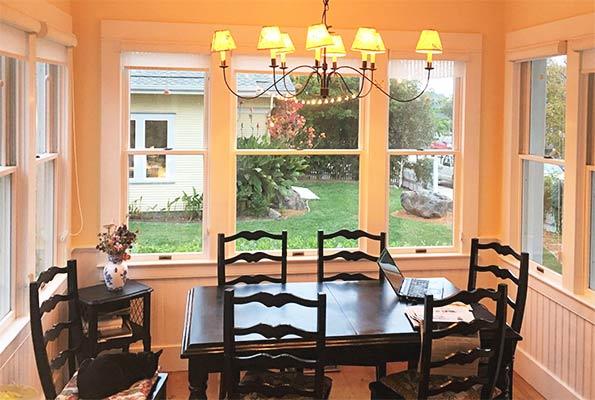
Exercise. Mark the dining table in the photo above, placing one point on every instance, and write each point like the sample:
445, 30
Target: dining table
366, 325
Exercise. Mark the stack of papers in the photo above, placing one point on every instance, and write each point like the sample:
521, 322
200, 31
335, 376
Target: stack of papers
455, 312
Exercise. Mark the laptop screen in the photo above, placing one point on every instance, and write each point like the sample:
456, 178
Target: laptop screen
390, 270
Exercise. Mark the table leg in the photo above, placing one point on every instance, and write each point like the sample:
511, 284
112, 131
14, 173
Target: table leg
147, 322
198, 377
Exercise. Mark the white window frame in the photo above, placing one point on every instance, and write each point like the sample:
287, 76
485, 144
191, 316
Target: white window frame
571, 36
119, 37
140, 161
458, 175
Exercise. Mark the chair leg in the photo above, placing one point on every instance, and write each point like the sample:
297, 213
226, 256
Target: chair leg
380, 371
222, 386
412, 364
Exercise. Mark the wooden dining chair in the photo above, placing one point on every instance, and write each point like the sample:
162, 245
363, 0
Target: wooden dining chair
521, 281
75, 342
260, 381
347, 255
251, 257
422, 384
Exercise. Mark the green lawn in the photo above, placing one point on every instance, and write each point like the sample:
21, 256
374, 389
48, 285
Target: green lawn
336, 209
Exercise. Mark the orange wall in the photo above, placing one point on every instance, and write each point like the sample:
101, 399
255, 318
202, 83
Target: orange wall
526, 13
446, 16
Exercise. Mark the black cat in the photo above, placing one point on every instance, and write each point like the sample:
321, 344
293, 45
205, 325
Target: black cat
111, 373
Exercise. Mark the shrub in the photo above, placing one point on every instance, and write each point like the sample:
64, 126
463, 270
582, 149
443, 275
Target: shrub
192, 204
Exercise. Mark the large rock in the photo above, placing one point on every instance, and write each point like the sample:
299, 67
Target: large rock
293, 201
426, 204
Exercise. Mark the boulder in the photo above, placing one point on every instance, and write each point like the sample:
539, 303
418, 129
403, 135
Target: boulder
292, 201
274, 214
426, 204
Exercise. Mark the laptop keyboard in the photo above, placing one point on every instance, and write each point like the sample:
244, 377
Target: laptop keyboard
418, 288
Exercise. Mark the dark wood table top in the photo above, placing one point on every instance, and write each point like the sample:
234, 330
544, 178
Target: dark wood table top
98, 294
356, 311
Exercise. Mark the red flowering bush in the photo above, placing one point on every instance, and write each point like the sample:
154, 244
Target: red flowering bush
287, 126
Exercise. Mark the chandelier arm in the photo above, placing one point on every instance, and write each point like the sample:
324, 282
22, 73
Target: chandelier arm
345, 85
264, 91
284, 76
417, 96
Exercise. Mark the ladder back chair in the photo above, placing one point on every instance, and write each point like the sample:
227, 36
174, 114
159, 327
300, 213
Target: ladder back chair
521, 281
347, 255
41, 339
251, 257
412, 384
259, 381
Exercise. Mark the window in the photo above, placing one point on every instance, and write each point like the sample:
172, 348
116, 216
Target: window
591, 172
543, 110
50, 108
423, 143
9, 98
166, 160
297, 163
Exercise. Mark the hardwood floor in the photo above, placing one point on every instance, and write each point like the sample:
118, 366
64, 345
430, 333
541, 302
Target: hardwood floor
351, 383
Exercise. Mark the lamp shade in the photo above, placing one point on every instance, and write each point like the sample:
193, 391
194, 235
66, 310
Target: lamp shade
429, 42
337, 49
318, 37
222, 41
288, 46
270, 38
379, 43
366, 40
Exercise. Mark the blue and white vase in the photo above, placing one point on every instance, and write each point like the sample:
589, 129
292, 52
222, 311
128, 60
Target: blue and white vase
115, 275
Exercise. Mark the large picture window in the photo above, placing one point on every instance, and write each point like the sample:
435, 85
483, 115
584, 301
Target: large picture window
423, 145
166, 159
297, 163
9, 97
543, 90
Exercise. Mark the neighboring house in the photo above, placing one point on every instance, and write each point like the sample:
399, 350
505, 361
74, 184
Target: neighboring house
167, 111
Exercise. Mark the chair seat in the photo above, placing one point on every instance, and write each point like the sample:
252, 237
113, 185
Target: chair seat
275, 379
405, 383
140, 390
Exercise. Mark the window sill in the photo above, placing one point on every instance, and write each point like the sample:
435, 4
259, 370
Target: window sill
12, 331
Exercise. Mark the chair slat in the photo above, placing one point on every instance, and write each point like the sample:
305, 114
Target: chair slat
52, 302
253, 257
275, 300
350, 256
49, 274
254, 279
499, 272
463, 328
503, 250
276, 331
353, 235
345, 276
462, 357
456, 385
53, 333
265, 360
58, 361
255, 235
466, 297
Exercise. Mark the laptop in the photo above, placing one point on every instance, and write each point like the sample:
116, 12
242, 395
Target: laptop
410, 289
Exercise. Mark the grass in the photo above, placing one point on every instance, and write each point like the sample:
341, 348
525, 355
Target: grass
336, 209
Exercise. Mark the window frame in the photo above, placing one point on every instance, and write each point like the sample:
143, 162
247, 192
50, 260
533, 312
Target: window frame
193, 41
125, 66
557, 38
458, 172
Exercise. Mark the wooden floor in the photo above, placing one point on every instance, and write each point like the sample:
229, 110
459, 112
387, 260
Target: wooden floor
351, 383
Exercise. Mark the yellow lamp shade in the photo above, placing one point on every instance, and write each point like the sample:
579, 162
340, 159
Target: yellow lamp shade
270, 38
337, 49
429, 43
288, 46
379, 44
222, 41
365, 40
318, 37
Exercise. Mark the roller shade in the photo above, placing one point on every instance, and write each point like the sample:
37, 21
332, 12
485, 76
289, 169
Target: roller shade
140, 59
52, 44
588, 61
14, 41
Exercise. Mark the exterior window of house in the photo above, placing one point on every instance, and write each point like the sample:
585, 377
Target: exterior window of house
8, 118
423, 146
297, 164
166, 160
49, 102
543, 107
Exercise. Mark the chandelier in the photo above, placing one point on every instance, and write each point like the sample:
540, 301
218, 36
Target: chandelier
328, 47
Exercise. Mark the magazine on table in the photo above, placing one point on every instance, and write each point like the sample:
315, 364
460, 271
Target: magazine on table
455, 312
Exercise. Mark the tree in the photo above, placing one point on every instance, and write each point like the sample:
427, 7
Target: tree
555, 111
